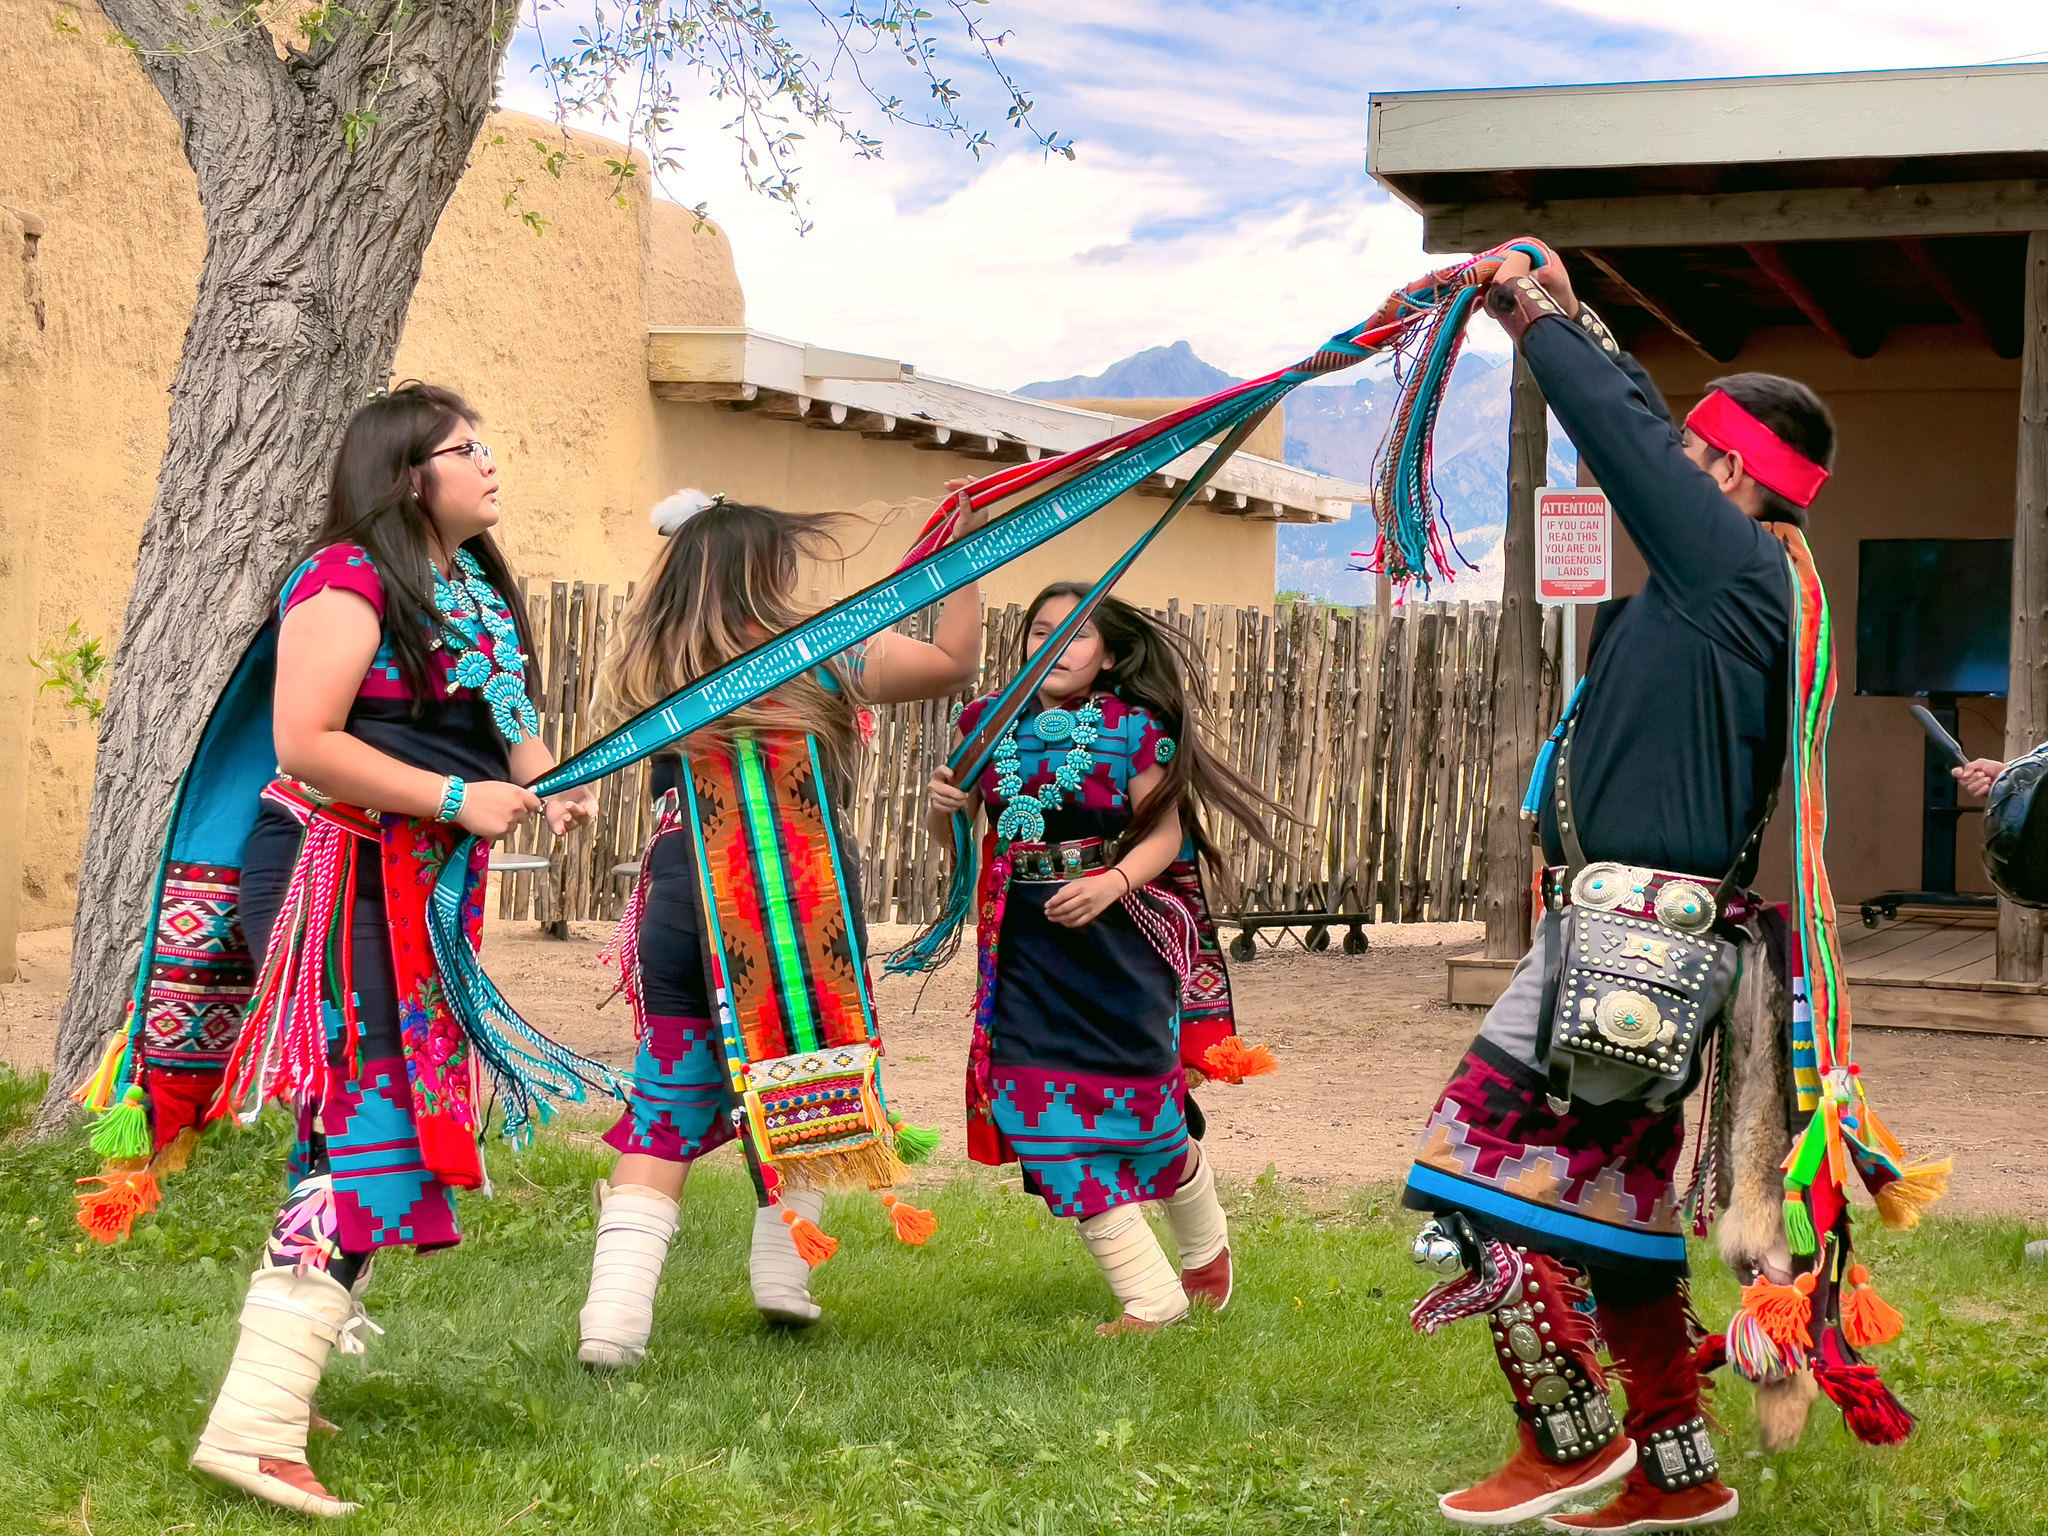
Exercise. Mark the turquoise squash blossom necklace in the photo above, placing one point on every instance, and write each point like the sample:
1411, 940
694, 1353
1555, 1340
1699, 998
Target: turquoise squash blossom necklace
1023, 818
470, 607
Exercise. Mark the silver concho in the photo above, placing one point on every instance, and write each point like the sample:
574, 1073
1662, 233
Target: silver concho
1550, 1390
1628, 1018
1602, 886
1683, 905
1523, 1341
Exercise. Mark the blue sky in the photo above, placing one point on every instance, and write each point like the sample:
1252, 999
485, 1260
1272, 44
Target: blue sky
1219, 190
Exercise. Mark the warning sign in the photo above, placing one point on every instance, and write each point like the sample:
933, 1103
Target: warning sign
1574, 546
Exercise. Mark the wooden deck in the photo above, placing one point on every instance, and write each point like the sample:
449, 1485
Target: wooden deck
1933, 970
1929, 970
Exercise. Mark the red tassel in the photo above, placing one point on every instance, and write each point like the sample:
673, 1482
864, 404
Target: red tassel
913, 1226
812, 1245
1712, 1354
1869, 1409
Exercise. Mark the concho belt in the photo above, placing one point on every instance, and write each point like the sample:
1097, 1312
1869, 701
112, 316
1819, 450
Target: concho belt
1041, 862
1638, 953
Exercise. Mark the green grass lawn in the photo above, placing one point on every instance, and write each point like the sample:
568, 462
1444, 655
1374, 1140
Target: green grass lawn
958, 1389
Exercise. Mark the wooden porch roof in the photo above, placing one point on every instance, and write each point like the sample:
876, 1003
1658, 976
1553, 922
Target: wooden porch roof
1855, 203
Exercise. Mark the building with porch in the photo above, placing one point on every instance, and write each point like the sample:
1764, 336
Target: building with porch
609, 354
1883, 237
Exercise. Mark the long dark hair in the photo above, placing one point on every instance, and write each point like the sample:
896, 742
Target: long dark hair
1158, 669
371, 501
724, 582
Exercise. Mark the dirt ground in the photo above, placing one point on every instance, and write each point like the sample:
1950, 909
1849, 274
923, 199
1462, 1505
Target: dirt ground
1364, 1042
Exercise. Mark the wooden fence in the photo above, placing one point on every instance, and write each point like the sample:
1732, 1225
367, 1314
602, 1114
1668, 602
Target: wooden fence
1376, 734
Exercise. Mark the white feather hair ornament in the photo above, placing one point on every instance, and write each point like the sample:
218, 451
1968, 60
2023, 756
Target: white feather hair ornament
671, 512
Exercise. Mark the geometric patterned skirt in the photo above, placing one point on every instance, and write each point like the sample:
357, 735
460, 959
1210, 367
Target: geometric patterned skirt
1084, 1058
1592, 1186
363, 1131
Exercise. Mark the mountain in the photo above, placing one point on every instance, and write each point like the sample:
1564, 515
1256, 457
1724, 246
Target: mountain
1157, 373
1335, 429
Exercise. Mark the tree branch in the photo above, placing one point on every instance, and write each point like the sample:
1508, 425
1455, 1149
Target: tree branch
187, 46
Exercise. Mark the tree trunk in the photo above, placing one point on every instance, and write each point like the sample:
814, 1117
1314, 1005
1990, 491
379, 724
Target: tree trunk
2026, 697
1516, 728
313, 250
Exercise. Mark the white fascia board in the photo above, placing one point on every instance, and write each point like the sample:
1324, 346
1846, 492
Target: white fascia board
1993, 109
733, 355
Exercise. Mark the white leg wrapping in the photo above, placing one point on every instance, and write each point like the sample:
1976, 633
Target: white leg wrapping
1134, 1264
1196, 1217
781, 1279
634, 1227
290, 1321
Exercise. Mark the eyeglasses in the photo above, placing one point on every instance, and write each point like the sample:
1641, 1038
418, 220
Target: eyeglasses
477, 453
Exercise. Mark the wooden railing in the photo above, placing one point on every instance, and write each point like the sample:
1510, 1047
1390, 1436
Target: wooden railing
1375, 734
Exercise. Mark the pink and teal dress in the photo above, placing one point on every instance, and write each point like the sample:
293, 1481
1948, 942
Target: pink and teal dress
1076, 1066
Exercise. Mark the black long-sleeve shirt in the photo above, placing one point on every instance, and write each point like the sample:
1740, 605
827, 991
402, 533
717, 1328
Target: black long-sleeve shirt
1682, 727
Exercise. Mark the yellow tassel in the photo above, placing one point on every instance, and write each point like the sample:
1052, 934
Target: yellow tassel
97, 1091
1867, 1318
913, 1226
176, 1155
108, 1213
1901, 1203
1784, 1312
813, 1246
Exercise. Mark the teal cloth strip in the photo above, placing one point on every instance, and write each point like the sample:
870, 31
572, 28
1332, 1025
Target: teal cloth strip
528, 1070
869, 612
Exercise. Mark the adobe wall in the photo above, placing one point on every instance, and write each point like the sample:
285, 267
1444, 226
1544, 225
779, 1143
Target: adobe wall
784, 464
1928, 439
94, 154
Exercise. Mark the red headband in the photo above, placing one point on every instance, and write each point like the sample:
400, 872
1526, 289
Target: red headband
1771, 461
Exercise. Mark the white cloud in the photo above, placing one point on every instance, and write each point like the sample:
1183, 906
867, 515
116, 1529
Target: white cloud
1798, 36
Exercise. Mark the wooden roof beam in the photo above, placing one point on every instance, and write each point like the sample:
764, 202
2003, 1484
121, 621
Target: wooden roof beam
1736, 218
1857, 335
1973, 318
1714, 337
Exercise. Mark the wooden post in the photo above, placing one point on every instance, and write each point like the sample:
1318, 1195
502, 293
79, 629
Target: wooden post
1504, 892
2026, 700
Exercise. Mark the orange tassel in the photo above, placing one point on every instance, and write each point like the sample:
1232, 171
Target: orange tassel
812, 1245
1867, 1318
1230, 1060
109, 1213
1784, 1312
913, 1226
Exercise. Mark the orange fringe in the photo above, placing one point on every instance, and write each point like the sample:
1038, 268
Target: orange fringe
913, 1226
1867, 1318
1230, 1060
813, 1245
108, 1213
1901, 1203
1784, 1312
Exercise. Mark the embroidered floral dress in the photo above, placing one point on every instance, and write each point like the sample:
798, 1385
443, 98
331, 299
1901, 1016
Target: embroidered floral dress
367, 1132
1080, 1067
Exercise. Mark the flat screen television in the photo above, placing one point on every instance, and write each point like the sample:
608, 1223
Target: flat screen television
1933, 616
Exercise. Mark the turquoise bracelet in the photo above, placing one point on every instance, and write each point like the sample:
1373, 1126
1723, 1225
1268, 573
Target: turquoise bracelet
452, 791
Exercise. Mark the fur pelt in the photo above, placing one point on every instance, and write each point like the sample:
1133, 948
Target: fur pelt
1753, 1121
